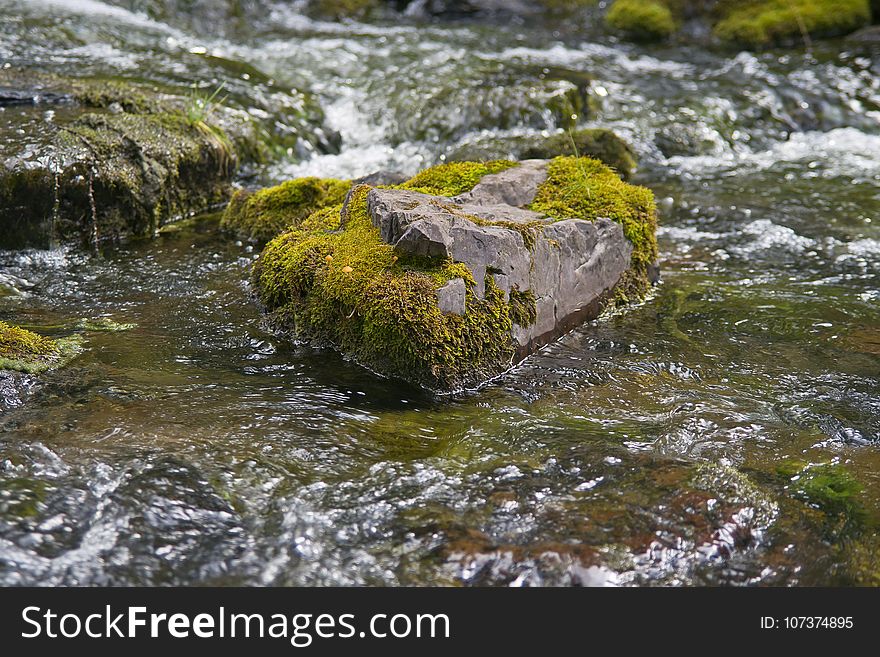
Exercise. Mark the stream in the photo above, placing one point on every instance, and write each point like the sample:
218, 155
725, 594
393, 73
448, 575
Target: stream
650, 447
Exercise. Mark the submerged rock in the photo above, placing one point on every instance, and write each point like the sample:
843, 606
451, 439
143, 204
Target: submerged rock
449, 278
97, 161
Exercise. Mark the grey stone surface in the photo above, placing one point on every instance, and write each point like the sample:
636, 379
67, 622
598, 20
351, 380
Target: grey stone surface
515, 187
571, 264
425, 237
507, 213
576, 261
451, 297
394, 210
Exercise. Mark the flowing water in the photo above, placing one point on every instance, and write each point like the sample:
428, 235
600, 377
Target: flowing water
727, 431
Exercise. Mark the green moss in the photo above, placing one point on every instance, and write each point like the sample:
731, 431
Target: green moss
641, 20
523, 309
264, 214
104, 93
766, 22
584, 188
752, 23
26, 351
828, 487
454, 178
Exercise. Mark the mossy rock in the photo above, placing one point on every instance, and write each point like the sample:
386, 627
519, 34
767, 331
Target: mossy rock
597, 143
117, 160
119, 175
331, 278
641, 20
750, 23
769, 22
474, 95
262, 215
25, 351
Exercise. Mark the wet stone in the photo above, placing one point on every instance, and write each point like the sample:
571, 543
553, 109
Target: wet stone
451, 297
567, 265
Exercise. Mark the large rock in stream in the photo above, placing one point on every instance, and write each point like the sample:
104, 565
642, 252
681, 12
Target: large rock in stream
95, 161
451, 277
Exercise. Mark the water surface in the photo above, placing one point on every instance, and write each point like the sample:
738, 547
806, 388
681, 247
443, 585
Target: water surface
650, 447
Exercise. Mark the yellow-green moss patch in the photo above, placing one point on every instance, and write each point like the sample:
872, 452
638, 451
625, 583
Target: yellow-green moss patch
26, 351
583, 188
641, 20
262, 215
765, 22
454, 178
752, 23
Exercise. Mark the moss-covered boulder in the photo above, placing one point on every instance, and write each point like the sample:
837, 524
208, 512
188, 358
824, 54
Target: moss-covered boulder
93, 161
473, 94
449, 278
597, 143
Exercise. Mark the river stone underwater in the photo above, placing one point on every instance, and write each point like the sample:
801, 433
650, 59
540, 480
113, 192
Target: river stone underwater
724, 432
